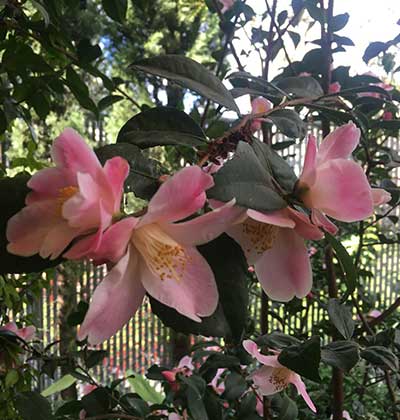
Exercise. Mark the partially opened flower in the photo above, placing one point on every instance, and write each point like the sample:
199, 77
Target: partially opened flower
155, 255
26, 333
258, 106
335, 185
75, 197
274, 243
334, 87
274, 377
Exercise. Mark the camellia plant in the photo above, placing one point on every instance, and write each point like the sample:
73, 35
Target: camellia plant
233, 216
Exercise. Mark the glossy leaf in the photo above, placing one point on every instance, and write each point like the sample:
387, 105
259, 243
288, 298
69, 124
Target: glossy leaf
144, 389
288, 123
32, 406
115, 9
58, 386
341, 354
301, 87
190, 74
341, 317
382, 357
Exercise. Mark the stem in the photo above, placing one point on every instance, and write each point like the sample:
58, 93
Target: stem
392, 394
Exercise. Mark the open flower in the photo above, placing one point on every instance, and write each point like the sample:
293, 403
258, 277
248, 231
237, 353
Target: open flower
274, 377
155, 255
26, 333
76, 196
335, 185
274, 243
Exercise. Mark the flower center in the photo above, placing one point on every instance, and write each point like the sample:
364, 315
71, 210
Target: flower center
63, 195
279, 378
164, 256
261, 235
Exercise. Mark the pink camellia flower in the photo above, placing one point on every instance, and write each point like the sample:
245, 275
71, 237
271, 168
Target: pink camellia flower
185, 367
76, 196
26, 333
274, 243
259, 105
274, 377
333, 184
154, 255
387, 116
226, 5
386, 86
334, 87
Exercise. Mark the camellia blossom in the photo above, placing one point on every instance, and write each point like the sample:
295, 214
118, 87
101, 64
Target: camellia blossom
26, 333
334, 87
153, 254
274, 243
274, 377
335, 185
258, 106
75, 197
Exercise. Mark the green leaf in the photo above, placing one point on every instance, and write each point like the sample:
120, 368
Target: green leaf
212, 405
58, 386
245, 179
160, 127
144, 389
94, 357
229, 266
277, 340
301, 86
115, 9
339, 22
12, 378
12, 198
79, 89
287, 408
144, 173
373, 50
97, 402
288, 123
77, 317
350, 273
280, 169
108, 101
341, 317
382, 357
303, 358
87, 52
235, 385
190, 74
341, 354
359, 89
32, 406
134, 405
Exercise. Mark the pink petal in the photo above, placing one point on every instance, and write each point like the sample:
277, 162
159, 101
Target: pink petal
48, 182
179, 196
252, 348
277, 218
264, 380
116, 171
339, 144
112, 245
193, 295
27, 333
10, 326
380, 196
310, 161
284, 271
71, 152
303, 225
259, 105
57, 240
320, 220
301, 389
205, 228
341, 190
114, 301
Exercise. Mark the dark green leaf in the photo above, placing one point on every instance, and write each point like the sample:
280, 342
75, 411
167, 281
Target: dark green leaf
196, 405
339, 22
94, 357
247, 405
302, 86
115, 9
288, 123
245, 179
77, 317
79, 90
276, 165
12, 198
277, 340
341, 317
303, 359
229, 266
135, 405
350, 273
373, 50
235, 385
295, 38
97, 402
360, 89
382, 357
341, 354
190, 74
69, 408
212, 405
283, 144
387, 125
32, 406
108, 101
3, 122
160, 127
282, 16
143, 172
287, 408
88, 52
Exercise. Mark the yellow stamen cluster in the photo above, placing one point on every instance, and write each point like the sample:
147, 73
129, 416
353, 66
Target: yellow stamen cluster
261, 235
164, 256
279, 378
63, 195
